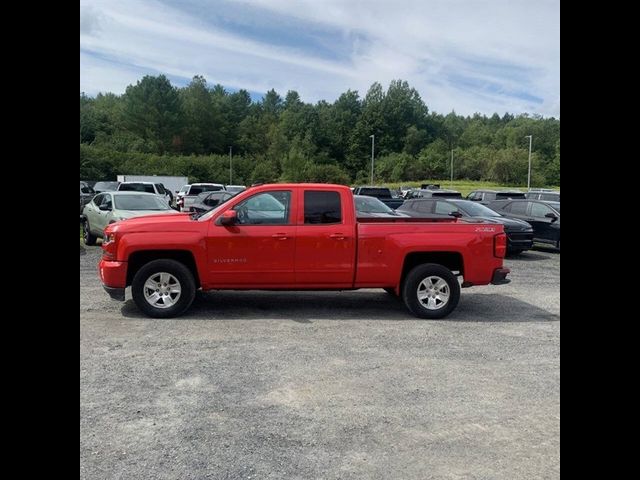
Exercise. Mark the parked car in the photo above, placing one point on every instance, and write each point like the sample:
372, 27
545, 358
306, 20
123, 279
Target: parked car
208, 200
543, 194
369, 207
101, 187
543, 216
298, 237
435, 192
519, 233
86, 194
235, 189
180, 195
381, 193
148, 187
189, 195
486, 196
110, 207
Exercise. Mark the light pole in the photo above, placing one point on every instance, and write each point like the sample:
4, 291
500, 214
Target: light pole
373, 140
530, 137
230, 167
452, 167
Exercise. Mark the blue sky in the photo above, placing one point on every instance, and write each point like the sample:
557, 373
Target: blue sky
463, 55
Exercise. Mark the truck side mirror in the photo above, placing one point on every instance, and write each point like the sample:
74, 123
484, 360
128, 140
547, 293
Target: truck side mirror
228, 218
456, 214
552, 216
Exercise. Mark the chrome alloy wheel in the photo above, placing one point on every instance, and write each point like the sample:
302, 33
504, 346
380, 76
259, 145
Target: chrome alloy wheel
162, 290
433, 293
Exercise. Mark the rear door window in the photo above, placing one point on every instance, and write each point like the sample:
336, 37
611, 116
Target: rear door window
424, 207
519, 208
488, 196
322, 207
445, 208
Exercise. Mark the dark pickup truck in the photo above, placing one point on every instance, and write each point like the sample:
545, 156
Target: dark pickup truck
381, 193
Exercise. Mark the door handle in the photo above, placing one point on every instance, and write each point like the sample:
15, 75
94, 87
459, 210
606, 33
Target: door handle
280, 236
337, 236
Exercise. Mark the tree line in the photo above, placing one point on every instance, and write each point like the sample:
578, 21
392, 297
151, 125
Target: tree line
158, 128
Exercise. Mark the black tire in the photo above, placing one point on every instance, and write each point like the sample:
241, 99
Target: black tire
87, 236
414, 279
183, 276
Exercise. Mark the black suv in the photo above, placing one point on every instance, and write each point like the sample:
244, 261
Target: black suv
519, 233
486, 196
543, 216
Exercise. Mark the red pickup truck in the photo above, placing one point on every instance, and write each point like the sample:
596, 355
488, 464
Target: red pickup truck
298, 237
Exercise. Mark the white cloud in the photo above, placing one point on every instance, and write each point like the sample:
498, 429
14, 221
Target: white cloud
506, 52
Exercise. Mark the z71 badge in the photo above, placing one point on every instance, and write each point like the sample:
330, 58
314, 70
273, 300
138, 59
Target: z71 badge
485, 229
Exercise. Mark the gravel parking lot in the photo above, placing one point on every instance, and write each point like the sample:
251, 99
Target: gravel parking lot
293, 385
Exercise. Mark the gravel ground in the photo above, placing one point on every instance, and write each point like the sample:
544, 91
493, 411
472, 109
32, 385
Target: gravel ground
294, 385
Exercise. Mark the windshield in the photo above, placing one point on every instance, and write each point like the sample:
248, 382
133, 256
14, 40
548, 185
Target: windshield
140, 202
136, 187
371, 205
475, 209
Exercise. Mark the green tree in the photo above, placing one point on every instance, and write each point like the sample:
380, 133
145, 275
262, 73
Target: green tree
152, 112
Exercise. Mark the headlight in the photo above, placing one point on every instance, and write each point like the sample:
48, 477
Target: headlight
109, 237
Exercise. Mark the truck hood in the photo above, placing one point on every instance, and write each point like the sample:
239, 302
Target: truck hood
162, 222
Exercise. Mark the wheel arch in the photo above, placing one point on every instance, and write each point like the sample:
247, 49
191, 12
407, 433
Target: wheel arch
142, 257
452, 260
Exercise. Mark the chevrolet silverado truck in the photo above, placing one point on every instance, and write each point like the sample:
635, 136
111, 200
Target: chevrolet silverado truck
298, 237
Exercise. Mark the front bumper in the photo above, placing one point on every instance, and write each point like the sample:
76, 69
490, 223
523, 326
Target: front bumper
519, 240
500, 276
114, 277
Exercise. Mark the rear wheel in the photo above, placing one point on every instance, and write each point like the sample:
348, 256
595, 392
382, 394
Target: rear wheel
431, 291
163, 288
87, 236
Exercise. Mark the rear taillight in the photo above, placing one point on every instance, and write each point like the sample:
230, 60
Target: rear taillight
500, 245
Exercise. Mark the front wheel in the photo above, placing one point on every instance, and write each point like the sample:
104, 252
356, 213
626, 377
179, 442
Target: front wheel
163, 288
87, 236
431, 291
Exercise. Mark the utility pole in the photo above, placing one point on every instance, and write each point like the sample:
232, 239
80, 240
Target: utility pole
529, 174
230, 167
373, 140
